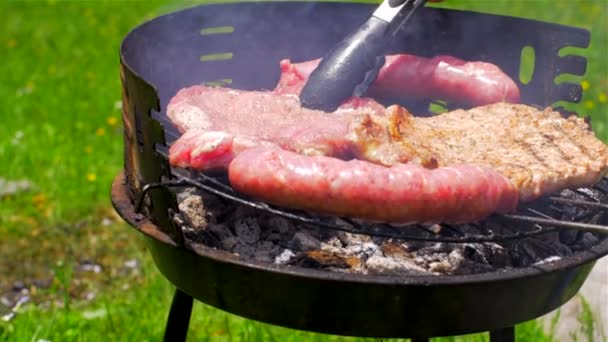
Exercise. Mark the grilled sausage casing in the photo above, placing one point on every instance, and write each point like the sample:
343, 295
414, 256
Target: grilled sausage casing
402, 193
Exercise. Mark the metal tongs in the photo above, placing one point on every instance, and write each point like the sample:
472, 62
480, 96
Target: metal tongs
353, 64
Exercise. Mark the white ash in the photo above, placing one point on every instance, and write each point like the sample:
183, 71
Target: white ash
548, 260
256, 235
191, 207
284, 257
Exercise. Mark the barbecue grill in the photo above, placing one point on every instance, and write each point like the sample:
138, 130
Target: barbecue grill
210, 44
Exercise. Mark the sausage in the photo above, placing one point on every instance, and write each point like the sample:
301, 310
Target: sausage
403, 193
414, 77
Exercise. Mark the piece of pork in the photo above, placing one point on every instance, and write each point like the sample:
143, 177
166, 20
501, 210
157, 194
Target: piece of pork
404, 193
414, 77
539, 151
220, 122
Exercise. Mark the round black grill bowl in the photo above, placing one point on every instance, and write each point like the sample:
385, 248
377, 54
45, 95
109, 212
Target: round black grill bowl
361, 305
240, 45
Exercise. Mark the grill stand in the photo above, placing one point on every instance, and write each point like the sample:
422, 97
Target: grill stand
178, 322
314, 293
179, 317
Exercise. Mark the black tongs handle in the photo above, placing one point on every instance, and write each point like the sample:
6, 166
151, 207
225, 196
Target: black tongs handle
353, 64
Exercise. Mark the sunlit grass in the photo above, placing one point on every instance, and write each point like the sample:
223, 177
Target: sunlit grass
61, 130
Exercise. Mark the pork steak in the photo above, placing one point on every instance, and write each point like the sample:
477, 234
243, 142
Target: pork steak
537, 151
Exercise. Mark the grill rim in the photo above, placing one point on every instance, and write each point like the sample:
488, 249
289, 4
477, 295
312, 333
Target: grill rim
142, 224
173, 261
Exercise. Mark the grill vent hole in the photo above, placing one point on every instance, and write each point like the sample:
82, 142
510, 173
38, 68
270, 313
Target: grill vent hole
139, 131
526, 64
216, 57
216, 30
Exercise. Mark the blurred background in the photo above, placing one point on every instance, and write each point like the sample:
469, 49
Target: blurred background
70, 269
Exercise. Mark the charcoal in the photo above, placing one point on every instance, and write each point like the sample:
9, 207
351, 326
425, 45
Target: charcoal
304, 242
377, 264
443, 265
530, 251
269, 247
193, 212
559, 249
185, 193
244, 250
334, 241
587, 241
568, 236
243, 211
220, 230
394, 250
229, 243
262, 255
208, 220
279, 225
274, 237
591, 194
352, 239
363, 250
320, 259
247, 230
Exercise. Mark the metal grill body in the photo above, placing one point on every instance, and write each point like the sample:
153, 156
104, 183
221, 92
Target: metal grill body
210, 44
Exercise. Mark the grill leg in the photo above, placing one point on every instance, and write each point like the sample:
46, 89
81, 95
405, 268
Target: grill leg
503, 335
179, 317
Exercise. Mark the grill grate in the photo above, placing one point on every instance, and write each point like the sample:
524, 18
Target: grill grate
583, 209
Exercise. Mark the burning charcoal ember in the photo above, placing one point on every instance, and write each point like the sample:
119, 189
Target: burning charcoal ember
304, 242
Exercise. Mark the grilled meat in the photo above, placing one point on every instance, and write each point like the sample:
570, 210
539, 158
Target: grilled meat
413, 77
355, 188
455, 167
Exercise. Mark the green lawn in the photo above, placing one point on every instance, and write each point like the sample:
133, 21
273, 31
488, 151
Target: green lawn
61, 131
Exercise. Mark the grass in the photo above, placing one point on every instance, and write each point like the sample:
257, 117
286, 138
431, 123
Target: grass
61, 131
